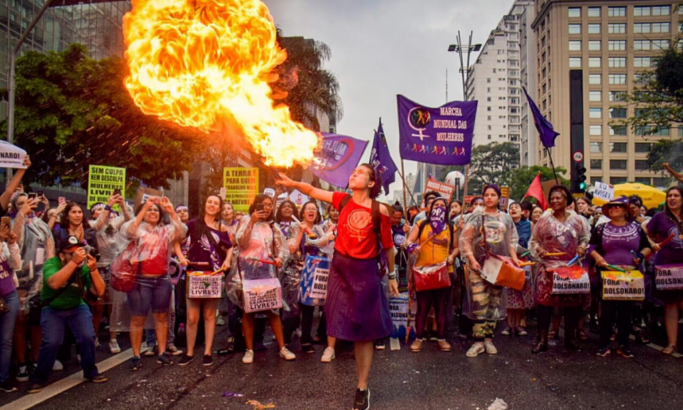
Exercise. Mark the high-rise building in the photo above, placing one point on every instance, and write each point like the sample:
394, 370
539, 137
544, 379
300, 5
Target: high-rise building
527, 77
603, 45
495, 80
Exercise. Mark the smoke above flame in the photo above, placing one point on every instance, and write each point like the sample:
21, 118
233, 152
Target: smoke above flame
204, 62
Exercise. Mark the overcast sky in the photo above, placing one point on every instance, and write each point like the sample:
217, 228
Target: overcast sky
381, 48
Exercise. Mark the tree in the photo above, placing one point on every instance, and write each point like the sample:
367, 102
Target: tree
492, 163
666, 151
521, 178
73, 111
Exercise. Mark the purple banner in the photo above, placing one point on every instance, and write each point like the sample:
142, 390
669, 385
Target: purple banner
338, 158
440, 135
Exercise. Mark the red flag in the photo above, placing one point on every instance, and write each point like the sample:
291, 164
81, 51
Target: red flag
536, 191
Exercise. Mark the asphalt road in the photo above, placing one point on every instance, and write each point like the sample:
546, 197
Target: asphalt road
430, 379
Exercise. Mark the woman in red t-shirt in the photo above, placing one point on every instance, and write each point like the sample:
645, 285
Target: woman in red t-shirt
356, 306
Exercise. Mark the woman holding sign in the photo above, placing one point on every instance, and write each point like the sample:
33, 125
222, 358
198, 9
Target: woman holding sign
487, 232
356, 306
304, 240
210, 253
666, 231
262, 250
432, 240
619, 243
557, 238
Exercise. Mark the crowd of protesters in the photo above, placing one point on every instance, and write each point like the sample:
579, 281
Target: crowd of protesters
66, 271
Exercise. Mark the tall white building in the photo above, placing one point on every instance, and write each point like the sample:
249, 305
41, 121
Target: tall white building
495, 79
529, 136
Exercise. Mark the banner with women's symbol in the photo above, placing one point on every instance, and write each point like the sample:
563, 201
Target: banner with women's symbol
314, 281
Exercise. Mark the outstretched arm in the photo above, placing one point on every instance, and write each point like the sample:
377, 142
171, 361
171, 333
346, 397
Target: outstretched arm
672, 172
305, 188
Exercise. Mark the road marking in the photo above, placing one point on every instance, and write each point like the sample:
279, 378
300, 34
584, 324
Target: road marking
652, 345
65, 384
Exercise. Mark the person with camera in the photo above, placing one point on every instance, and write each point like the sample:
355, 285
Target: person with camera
67, 278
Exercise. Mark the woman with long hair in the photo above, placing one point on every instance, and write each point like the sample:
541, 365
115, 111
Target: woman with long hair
356, 305
262, 251
152, 291
432, 241
210, 251
487, 231
663, 225
228, 216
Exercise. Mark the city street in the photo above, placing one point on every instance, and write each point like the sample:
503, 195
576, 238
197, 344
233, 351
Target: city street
400, 380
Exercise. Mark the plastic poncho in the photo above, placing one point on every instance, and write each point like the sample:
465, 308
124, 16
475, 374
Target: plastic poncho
554, 236
154, 244
109, 243
262, 242
291, 273
37, 246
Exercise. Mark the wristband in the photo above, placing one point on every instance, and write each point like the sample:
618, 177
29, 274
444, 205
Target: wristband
392, 276
107, 208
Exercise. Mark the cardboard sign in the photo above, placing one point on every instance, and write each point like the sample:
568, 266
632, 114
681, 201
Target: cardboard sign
262, 294
144, 193
669, 277
241, 187
504, 197
445, 190
102, 182
203, 285
398, 310
603, 191
623, 286
570, 281
11, 156
314, 281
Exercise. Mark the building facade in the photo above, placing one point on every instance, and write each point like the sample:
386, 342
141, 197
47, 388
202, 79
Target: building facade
495, 80
527, 77
607, 44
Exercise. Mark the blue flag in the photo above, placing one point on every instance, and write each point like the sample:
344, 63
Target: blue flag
544, 127
338, 158
381, 159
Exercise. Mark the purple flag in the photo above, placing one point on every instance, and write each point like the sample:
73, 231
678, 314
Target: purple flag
381, 159
338, 158
544, 127
440, 135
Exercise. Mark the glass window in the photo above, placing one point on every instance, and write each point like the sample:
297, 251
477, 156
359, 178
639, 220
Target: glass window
617, 130
616, 28
641, 11
642, 165
618, 180
661, 27
641, 45
642, 62
594, 62
595, 112
595, 130
617, 112
618, 146
594, 29
616, 11
617, 62
575, 29
617, 96
644, 181
594, 78
656, 10
596, 164
595, 95
575, 62
575, 12
594, 45
575, 45
641, 28
616, 45
652, 130
642, 147
617, 79
619, 164
593, 11
596, 147
660, 182
660, 44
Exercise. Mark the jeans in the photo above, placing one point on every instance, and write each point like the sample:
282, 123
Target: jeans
150, 334
150, 293
53, 322
6, 333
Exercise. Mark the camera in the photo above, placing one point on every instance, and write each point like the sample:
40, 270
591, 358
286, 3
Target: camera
95, 254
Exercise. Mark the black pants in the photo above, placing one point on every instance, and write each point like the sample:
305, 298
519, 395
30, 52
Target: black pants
619, 312
438, 298
305, 319
571, 319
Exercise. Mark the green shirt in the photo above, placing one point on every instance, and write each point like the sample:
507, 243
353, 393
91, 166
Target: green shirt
69, 298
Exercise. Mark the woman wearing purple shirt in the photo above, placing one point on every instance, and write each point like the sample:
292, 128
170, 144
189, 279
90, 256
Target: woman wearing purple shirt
10, 259
622, 243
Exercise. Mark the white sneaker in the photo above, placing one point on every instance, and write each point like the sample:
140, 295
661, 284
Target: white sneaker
114, 346
328, 355
150, 351
220, 320
490, 348
248, 357
58, 366
173, 350
286, 354
475, 350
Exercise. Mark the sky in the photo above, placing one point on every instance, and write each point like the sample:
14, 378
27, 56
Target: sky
381, 48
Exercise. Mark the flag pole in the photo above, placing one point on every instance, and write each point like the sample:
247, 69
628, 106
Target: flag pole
405, 186
467, 181
552, 165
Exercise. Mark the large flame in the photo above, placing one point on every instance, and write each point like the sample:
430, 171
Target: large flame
203, 62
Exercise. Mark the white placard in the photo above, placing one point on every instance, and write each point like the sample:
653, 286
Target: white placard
603, 191
632, 288
204, 286
11, 156
571, 286
262, 294
319, 289
298, 198
669, 277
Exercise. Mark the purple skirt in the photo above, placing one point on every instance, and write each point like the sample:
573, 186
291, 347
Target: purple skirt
356, 307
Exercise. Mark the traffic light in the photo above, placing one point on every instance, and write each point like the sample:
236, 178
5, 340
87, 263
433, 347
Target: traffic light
580, 181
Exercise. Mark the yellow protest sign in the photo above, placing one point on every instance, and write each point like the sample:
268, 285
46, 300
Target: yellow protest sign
103, 181
241, 187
